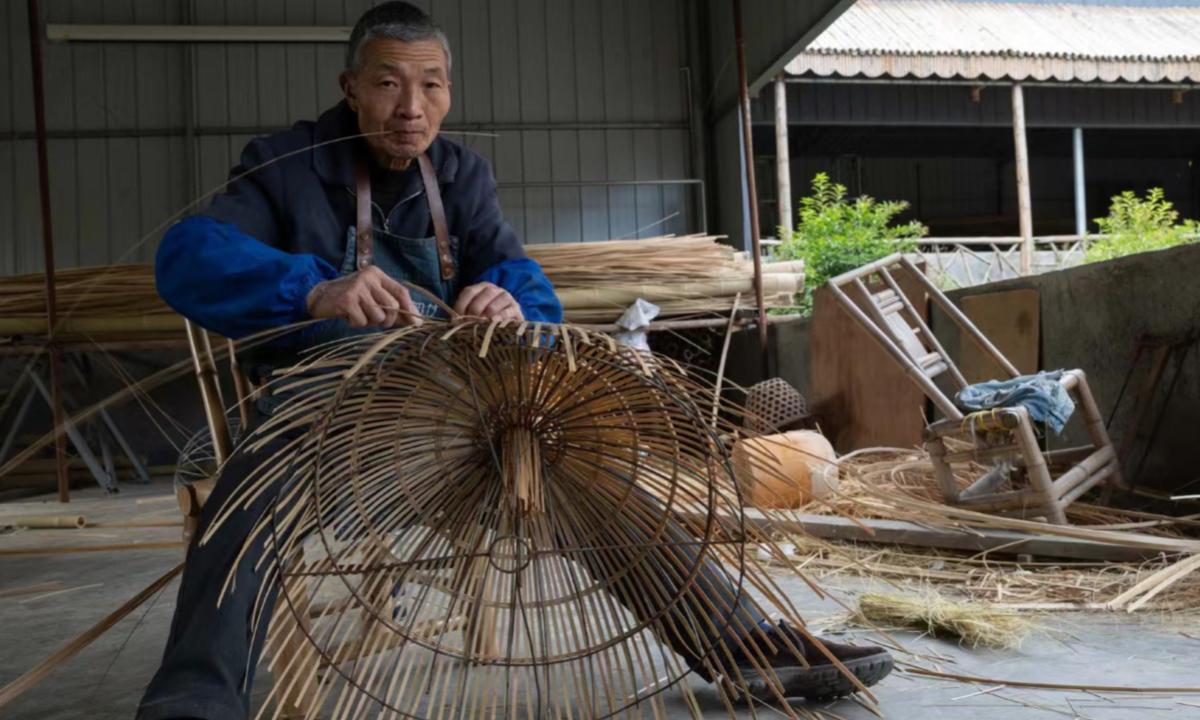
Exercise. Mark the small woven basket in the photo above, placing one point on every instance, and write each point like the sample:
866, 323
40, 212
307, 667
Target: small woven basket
774, 406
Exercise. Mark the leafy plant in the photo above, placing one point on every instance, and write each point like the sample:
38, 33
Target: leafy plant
1137, 225
835, 235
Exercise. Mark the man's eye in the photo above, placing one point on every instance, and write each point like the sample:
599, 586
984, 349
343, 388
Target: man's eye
432, 85
389, 83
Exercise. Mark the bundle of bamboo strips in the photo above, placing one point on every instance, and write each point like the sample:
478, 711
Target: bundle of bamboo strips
596, 281
688, 275
103, 291
104, 302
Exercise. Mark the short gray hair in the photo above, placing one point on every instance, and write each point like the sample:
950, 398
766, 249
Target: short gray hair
393, 21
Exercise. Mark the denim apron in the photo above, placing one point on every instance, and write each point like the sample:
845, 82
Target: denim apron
430, 263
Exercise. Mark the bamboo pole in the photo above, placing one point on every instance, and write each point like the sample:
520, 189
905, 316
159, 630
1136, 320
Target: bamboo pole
751, 191
46, 521
210, 391
782, 155
56, 359
1024, 203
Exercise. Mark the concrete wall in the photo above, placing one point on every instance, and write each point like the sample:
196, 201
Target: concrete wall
1092, 318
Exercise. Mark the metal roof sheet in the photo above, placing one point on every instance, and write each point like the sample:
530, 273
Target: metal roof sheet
1061, 41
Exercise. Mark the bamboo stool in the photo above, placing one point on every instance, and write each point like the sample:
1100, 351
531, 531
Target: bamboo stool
1044, 483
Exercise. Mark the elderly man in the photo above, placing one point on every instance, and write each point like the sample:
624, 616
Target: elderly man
325, 221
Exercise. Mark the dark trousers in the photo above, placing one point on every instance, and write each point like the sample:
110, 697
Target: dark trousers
210, 657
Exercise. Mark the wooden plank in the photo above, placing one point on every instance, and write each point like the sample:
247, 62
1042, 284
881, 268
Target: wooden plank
1012, 321
897, 532
862, 397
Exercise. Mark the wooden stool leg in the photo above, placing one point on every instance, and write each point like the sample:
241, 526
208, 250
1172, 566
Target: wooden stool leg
942, 471
1037, 470
1096, 432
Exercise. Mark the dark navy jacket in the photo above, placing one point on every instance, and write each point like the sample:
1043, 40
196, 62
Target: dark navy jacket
248, 261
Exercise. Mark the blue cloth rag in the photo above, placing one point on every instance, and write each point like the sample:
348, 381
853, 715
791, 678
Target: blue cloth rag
1042, 395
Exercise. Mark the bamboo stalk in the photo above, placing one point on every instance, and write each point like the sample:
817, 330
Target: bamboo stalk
45, 521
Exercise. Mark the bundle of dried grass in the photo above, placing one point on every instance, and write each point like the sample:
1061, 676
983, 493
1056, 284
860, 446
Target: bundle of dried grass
973, 624
483, 516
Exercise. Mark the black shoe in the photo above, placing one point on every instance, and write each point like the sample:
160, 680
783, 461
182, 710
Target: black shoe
813, 677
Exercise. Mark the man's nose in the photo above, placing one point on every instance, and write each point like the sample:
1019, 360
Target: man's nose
409, 107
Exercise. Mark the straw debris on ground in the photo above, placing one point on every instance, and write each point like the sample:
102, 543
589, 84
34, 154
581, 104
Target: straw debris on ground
899, 485
973, 624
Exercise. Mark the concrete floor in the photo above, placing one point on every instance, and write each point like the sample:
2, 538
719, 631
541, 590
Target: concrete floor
106, 680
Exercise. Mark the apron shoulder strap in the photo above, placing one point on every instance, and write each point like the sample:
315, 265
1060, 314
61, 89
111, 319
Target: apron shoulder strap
364, 247
364, 232
438, 213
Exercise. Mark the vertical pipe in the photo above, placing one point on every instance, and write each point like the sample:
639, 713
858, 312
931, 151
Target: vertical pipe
56, 360
1081, 222
1024, 204
782, 161
751, 191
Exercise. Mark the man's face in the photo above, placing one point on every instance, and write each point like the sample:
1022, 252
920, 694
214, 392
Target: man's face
402, 88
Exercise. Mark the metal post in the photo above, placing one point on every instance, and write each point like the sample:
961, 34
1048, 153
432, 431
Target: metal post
751, 192
56, 359
1081, 222
782, 161
1024, 204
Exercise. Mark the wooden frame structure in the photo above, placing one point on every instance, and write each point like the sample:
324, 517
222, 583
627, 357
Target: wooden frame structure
1006, 435
291, 664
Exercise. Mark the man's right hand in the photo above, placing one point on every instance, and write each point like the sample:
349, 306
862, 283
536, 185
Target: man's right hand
366, 298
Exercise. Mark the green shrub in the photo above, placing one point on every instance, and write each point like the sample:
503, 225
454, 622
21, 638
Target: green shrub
835, 235
1135, 225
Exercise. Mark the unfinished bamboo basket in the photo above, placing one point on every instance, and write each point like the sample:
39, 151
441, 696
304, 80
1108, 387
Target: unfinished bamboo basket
443, 508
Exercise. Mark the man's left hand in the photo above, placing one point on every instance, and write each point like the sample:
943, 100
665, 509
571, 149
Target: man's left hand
488, 301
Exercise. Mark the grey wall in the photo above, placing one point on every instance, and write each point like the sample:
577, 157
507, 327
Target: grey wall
574, 90
1092, 318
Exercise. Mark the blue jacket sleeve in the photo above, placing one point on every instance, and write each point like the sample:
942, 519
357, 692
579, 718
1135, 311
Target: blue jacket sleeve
226, 281
524, 280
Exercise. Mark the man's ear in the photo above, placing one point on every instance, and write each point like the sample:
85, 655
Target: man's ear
347, 82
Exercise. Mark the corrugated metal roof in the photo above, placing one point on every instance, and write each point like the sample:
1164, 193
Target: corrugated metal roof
943, 38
